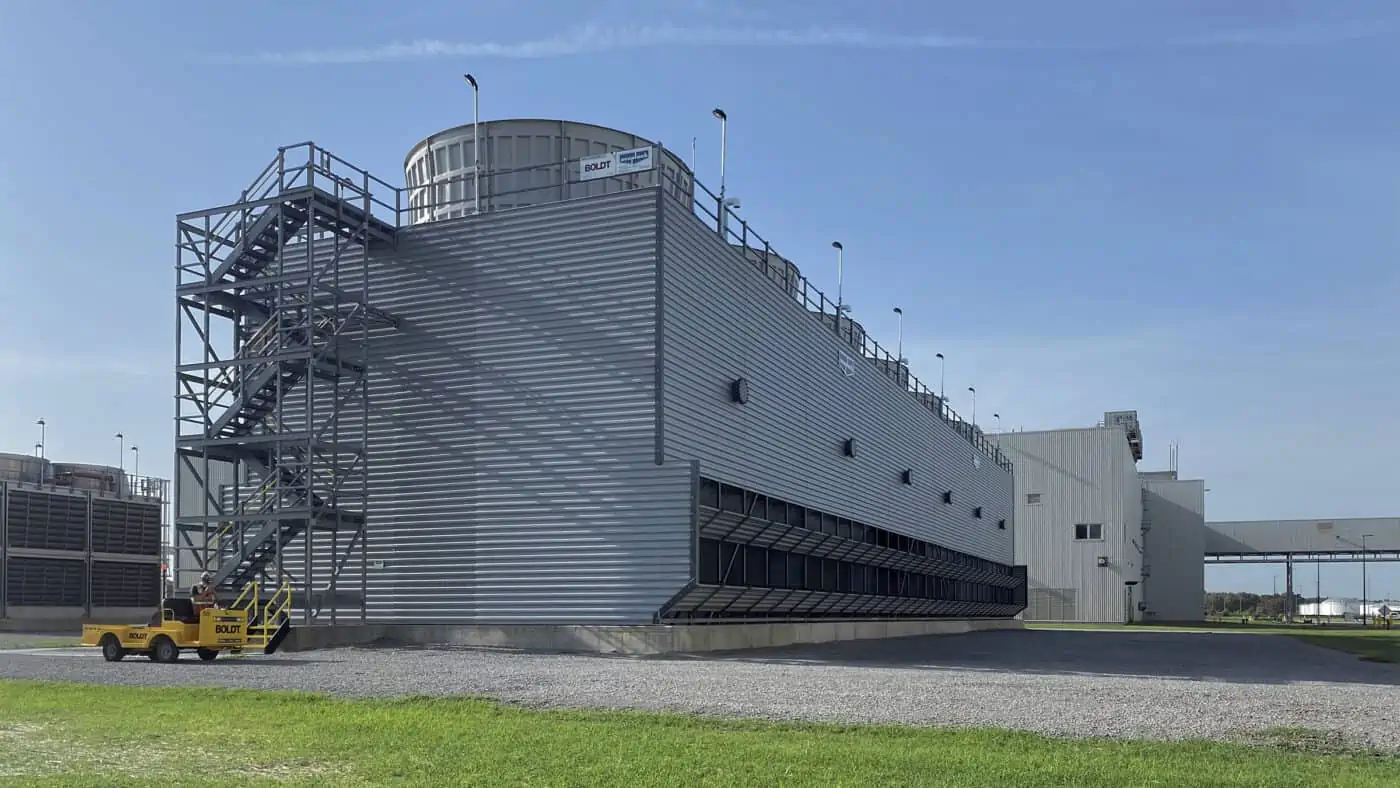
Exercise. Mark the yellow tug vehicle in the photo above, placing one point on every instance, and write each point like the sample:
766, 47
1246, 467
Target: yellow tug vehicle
249, 622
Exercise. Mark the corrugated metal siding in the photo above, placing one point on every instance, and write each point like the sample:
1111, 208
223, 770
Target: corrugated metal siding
1302, 536
1082, 476
1175, 544
512, 437
724, 319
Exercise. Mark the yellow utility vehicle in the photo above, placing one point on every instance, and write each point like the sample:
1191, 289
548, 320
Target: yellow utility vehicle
249, 622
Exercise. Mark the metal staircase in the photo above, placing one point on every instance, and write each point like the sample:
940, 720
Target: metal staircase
272, 394
269, 617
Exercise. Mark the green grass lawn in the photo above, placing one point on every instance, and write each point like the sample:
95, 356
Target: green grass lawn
63, 734
1371, 644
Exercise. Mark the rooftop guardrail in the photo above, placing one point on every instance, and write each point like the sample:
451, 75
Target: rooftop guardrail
555, 184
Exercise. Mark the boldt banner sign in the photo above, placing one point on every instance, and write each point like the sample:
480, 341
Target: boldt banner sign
611, 165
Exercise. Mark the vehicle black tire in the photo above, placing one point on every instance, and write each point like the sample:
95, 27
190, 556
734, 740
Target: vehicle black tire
163, 649
112, 650
207, 654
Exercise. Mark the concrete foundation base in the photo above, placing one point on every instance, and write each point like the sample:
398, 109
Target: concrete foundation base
636, 640
68, 619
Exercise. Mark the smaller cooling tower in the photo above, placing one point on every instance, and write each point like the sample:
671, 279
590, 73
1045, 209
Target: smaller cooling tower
782, 271
849, 330
25, 468
79, 476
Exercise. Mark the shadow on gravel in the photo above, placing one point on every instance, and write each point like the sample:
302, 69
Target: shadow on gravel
249, 662
1242, 658
186, 662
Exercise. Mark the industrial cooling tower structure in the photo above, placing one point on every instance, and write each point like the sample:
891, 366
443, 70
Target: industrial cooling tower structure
527, 162
573, 404
77, 542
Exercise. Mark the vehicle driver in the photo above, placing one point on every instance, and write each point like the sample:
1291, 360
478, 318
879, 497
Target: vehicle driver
202, 594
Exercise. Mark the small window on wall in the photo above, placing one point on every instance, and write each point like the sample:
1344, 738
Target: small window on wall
1032, 498
1088, 531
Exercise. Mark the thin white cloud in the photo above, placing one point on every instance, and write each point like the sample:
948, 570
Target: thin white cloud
594, 38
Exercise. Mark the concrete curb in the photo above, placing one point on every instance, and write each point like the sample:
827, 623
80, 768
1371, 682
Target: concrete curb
630, 640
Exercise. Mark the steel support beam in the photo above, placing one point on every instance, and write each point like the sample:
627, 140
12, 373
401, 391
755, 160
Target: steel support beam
1304, 558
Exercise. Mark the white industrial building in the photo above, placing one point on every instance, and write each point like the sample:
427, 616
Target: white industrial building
1331, 608
1348, 608
1103, 542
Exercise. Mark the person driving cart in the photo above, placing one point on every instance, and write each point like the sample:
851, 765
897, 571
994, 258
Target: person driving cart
202, 594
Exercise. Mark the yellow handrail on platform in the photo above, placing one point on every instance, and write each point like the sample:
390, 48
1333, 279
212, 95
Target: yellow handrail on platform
268, 614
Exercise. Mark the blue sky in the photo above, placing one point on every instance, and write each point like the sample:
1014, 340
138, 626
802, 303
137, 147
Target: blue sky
1188, 209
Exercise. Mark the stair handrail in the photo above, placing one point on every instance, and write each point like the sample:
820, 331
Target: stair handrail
277, 605
258, 341
250, 593
267, 181
227, 526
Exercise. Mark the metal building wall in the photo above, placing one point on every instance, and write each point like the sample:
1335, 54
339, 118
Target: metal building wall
1081, 476
513, 424
1174, 549
723, 319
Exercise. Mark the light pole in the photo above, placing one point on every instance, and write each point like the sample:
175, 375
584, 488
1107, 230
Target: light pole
42, 428
974, 405
1364, 537
997, 416
840, 276
942, 364
476, 143
723, 155
121, 451
135, 460
899, 346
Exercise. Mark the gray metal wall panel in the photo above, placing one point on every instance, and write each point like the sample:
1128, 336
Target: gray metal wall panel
512, 434
1082, 476
1302, 536
724, 319
1175, 549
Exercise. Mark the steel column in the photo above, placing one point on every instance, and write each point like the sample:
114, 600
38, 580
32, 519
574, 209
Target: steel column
1288, 573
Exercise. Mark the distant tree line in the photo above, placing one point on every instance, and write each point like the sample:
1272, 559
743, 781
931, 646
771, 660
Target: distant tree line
1254, 605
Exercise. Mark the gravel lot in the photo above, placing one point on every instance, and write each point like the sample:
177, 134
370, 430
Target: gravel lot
1068, 683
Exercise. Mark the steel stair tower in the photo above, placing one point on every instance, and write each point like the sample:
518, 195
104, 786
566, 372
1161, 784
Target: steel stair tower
274, 327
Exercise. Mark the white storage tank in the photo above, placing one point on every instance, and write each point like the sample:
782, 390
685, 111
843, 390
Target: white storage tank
26, 468
525, 161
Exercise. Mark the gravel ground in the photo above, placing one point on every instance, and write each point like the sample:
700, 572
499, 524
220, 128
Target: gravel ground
1066, 683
